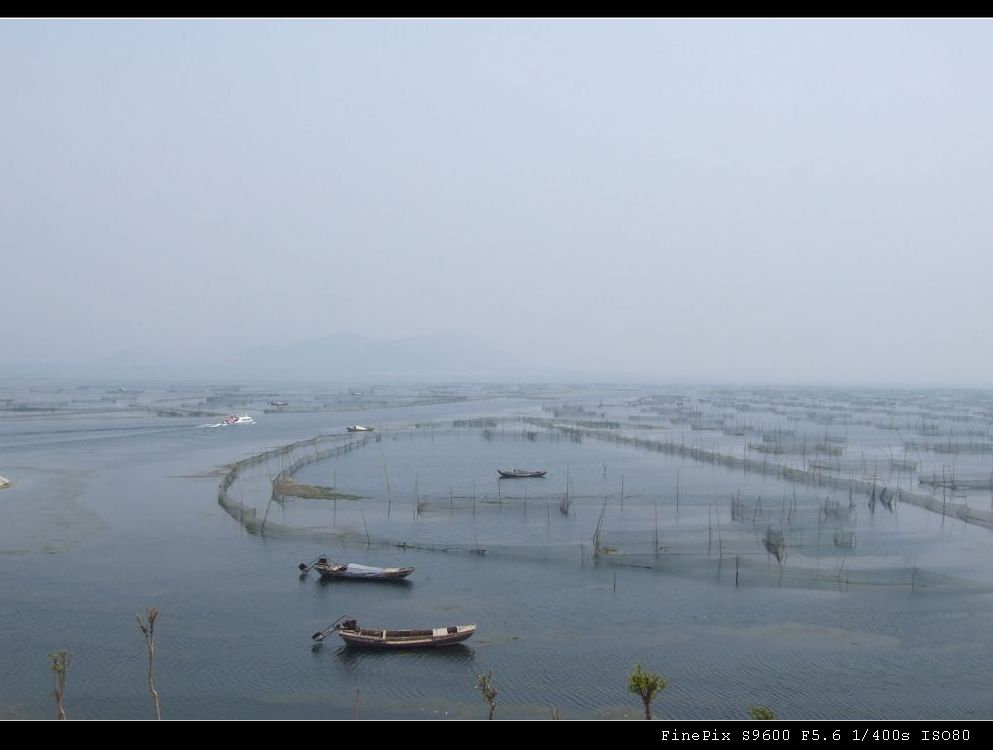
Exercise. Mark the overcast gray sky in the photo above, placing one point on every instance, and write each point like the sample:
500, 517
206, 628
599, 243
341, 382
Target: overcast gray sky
726, 200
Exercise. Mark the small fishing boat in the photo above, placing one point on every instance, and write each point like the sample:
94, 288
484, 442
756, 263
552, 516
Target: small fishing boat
520, 473
238, 419
329, 569
358, 428
350, 632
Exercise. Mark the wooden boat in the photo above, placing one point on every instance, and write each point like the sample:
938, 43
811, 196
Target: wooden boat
329, 569
350, 632
520, 473
358, 428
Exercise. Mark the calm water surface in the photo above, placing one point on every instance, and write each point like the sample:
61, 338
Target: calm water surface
114, 509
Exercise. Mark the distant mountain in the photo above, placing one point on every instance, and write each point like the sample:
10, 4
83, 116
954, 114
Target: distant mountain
135, 356
340, 357
346, 356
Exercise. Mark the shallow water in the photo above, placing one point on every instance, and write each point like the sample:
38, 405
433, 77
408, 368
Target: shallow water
114, 509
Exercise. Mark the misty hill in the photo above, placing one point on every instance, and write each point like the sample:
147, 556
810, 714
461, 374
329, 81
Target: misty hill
335, 358
348, 356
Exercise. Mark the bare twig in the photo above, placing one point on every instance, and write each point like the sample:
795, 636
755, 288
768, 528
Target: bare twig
488, 691
60, 668
148, 630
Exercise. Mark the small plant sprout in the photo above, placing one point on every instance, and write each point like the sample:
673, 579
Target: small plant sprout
646, 685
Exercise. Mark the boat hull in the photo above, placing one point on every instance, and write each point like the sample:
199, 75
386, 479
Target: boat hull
354, 572
406, 639
520, 474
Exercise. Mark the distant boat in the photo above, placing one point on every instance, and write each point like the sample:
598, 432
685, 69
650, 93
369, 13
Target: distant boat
329, 569
277, 403
236, 419
520, 473
350, 632
358, 428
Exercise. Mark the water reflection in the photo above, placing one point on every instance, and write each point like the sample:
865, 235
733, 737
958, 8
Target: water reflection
458, 653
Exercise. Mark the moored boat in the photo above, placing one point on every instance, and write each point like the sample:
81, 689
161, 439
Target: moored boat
358, 428
350, 632
521, 473
329, 569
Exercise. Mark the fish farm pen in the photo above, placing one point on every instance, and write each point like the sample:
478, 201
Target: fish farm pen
790, 508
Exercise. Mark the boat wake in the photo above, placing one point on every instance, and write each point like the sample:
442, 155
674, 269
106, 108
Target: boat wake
234, 419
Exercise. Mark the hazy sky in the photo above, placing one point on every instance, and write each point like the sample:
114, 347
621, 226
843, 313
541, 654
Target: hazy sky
729, 200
